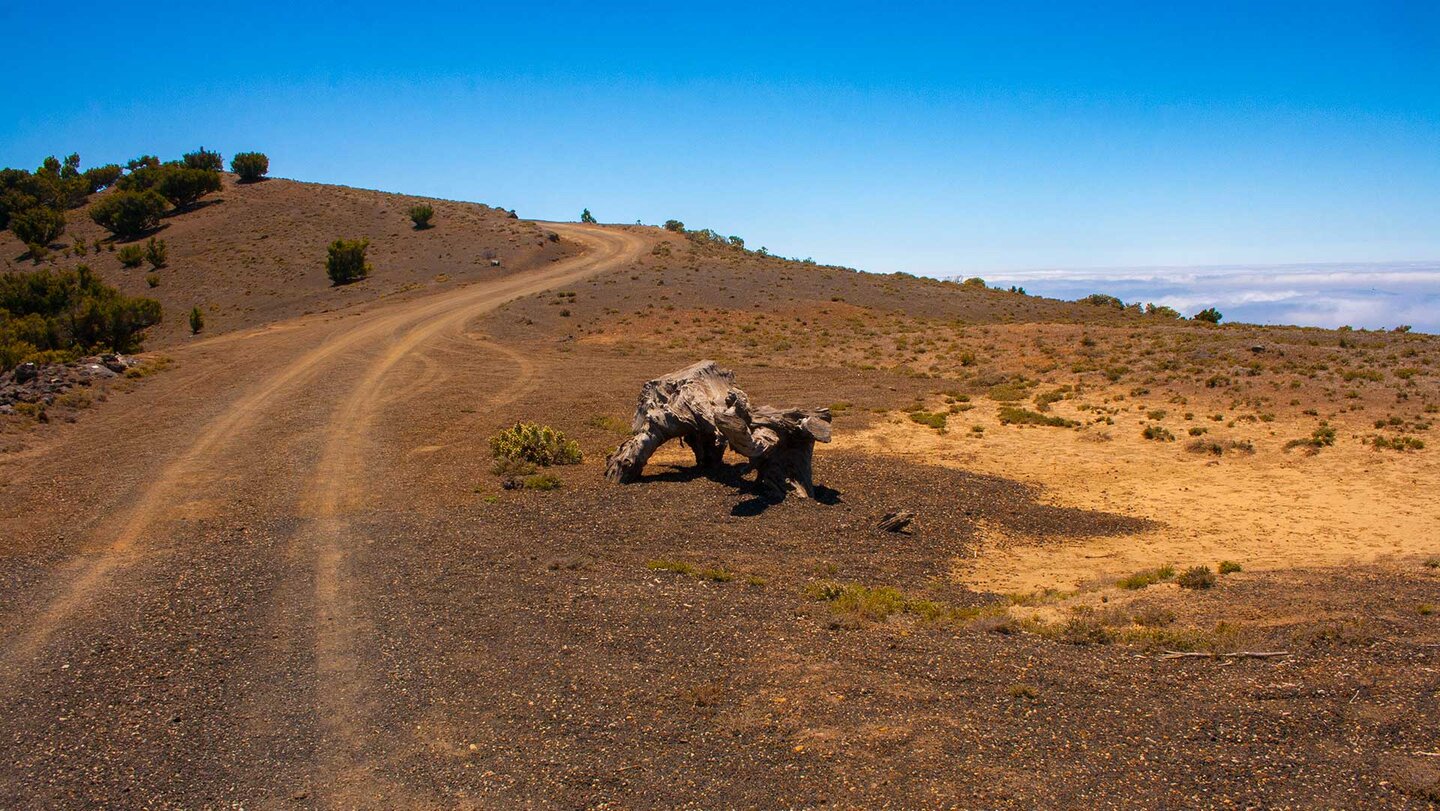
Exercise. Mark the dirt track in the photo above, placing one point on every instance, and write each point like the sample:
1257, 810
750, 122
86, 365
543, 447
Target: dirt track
271, 427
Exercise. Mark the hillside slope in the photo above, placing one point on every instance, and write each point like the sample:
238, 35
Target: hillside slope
255, 253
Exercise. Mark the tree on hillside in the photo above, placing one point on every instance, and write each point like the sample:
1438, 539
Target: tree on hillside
204, 159
182, 185
1209, 315
197, 321
129, 214
587, 217
250, 166
38, 226
421, 215
675, 225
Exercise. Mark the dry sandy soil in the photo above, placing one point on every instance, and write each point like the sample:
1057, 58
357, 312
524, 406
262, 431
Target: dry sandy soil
278, 572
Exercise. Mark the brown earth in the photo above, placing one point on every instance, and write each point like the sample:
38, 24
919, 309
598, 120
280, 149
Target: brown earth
279, 573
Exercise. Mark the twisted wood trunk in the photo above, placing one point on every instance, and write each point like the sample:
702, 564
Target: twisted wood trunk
701, 406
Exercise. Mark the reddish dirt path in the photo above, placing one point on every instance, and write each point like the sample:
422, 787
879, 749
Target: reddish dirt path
119, 570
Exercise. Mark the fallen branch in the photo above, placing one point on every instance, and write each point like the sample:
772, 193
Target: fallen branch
1241, 654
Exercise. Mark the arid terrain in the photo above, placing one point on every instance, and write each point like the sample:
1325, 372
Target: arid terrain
272, 566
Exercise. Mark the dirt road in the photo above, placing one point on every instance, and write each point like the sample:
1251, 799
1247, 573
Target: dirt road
177, 623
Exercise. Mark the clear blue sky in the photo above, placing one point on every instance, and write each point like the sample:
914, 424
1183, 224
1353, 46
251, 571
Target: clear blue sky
939, 138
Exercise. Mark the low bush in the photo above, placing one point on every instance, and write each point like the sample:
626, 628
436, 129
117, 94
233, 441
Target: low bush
929, 419
587, 217
1209, 315
128, 214
197, 321
1219, 447
421, 215
1158, 433
675, 225
714, 574
250, 166
1229, 567
102, 177
1322, 437
536, 444
543, 482
346, 261
1397, 443
1198, 577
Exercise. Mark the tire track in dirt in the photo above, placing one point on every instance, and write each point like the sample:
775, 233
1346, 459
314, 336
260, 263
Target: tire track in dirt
344, 691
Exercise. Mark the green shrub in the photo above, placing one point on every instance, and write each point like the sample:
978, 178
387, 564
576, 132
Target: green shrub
183, 185
536, 444
675, 225
933, 420
128, 214
1322, 437
131, 256
152, 280
197, 321
587, 217
346, 261
38, 226
421, 215
250, 166
1229, 567
1102, 300
1198, 577
1209, 315
204, 160
155, 252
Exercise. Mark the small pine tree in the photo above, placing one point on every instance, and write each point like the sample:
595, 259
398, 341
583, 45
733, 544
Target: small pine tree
421, 215
346, 261
183, 185
155, 252
587, 217
675, 225
1209, 315
197, 321
250, 166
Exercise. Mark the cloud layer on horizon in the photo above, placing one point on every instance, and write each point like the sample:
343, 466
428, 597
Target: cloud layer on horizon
1368, 295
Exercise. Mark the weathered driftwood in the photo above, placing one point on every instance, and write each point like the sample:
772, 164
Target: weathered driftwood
701, 406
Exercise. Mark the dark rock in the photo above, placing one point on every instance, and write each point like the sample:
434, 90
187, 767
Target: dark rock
26, 372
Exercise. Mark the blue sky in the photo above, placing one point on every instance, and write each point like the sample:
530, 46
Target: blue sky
936, 138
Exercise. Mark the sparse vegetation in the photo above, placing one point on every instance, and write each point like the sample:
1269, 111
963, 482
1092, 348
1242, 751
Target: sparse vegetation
197, 321
1148, 577
156, 252
1158, 433
1013, 415
130, 256
714, 574
66, 313
929, 419
1219, 447
1322, 437
1229, 567
346, 261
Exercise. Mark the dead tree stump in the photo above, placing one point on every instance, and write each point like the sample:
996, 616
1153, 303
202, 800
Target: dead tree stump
701, 406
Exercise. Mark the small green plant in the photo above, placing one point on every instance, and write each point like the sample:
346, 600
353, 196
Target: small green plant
1432, 563
1229, 567
155, 252
421, 215
1158, 433
1021, 690
346, 261
152, 280
131, 256
1323, 437
1426, 609
1400, 443
587, 217
197, 321
536, 444
1198, 577
1148, 577
250, 166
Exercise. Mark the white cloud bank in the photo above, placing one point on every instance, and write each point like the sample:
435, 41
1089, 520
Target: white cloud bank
1370, 295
